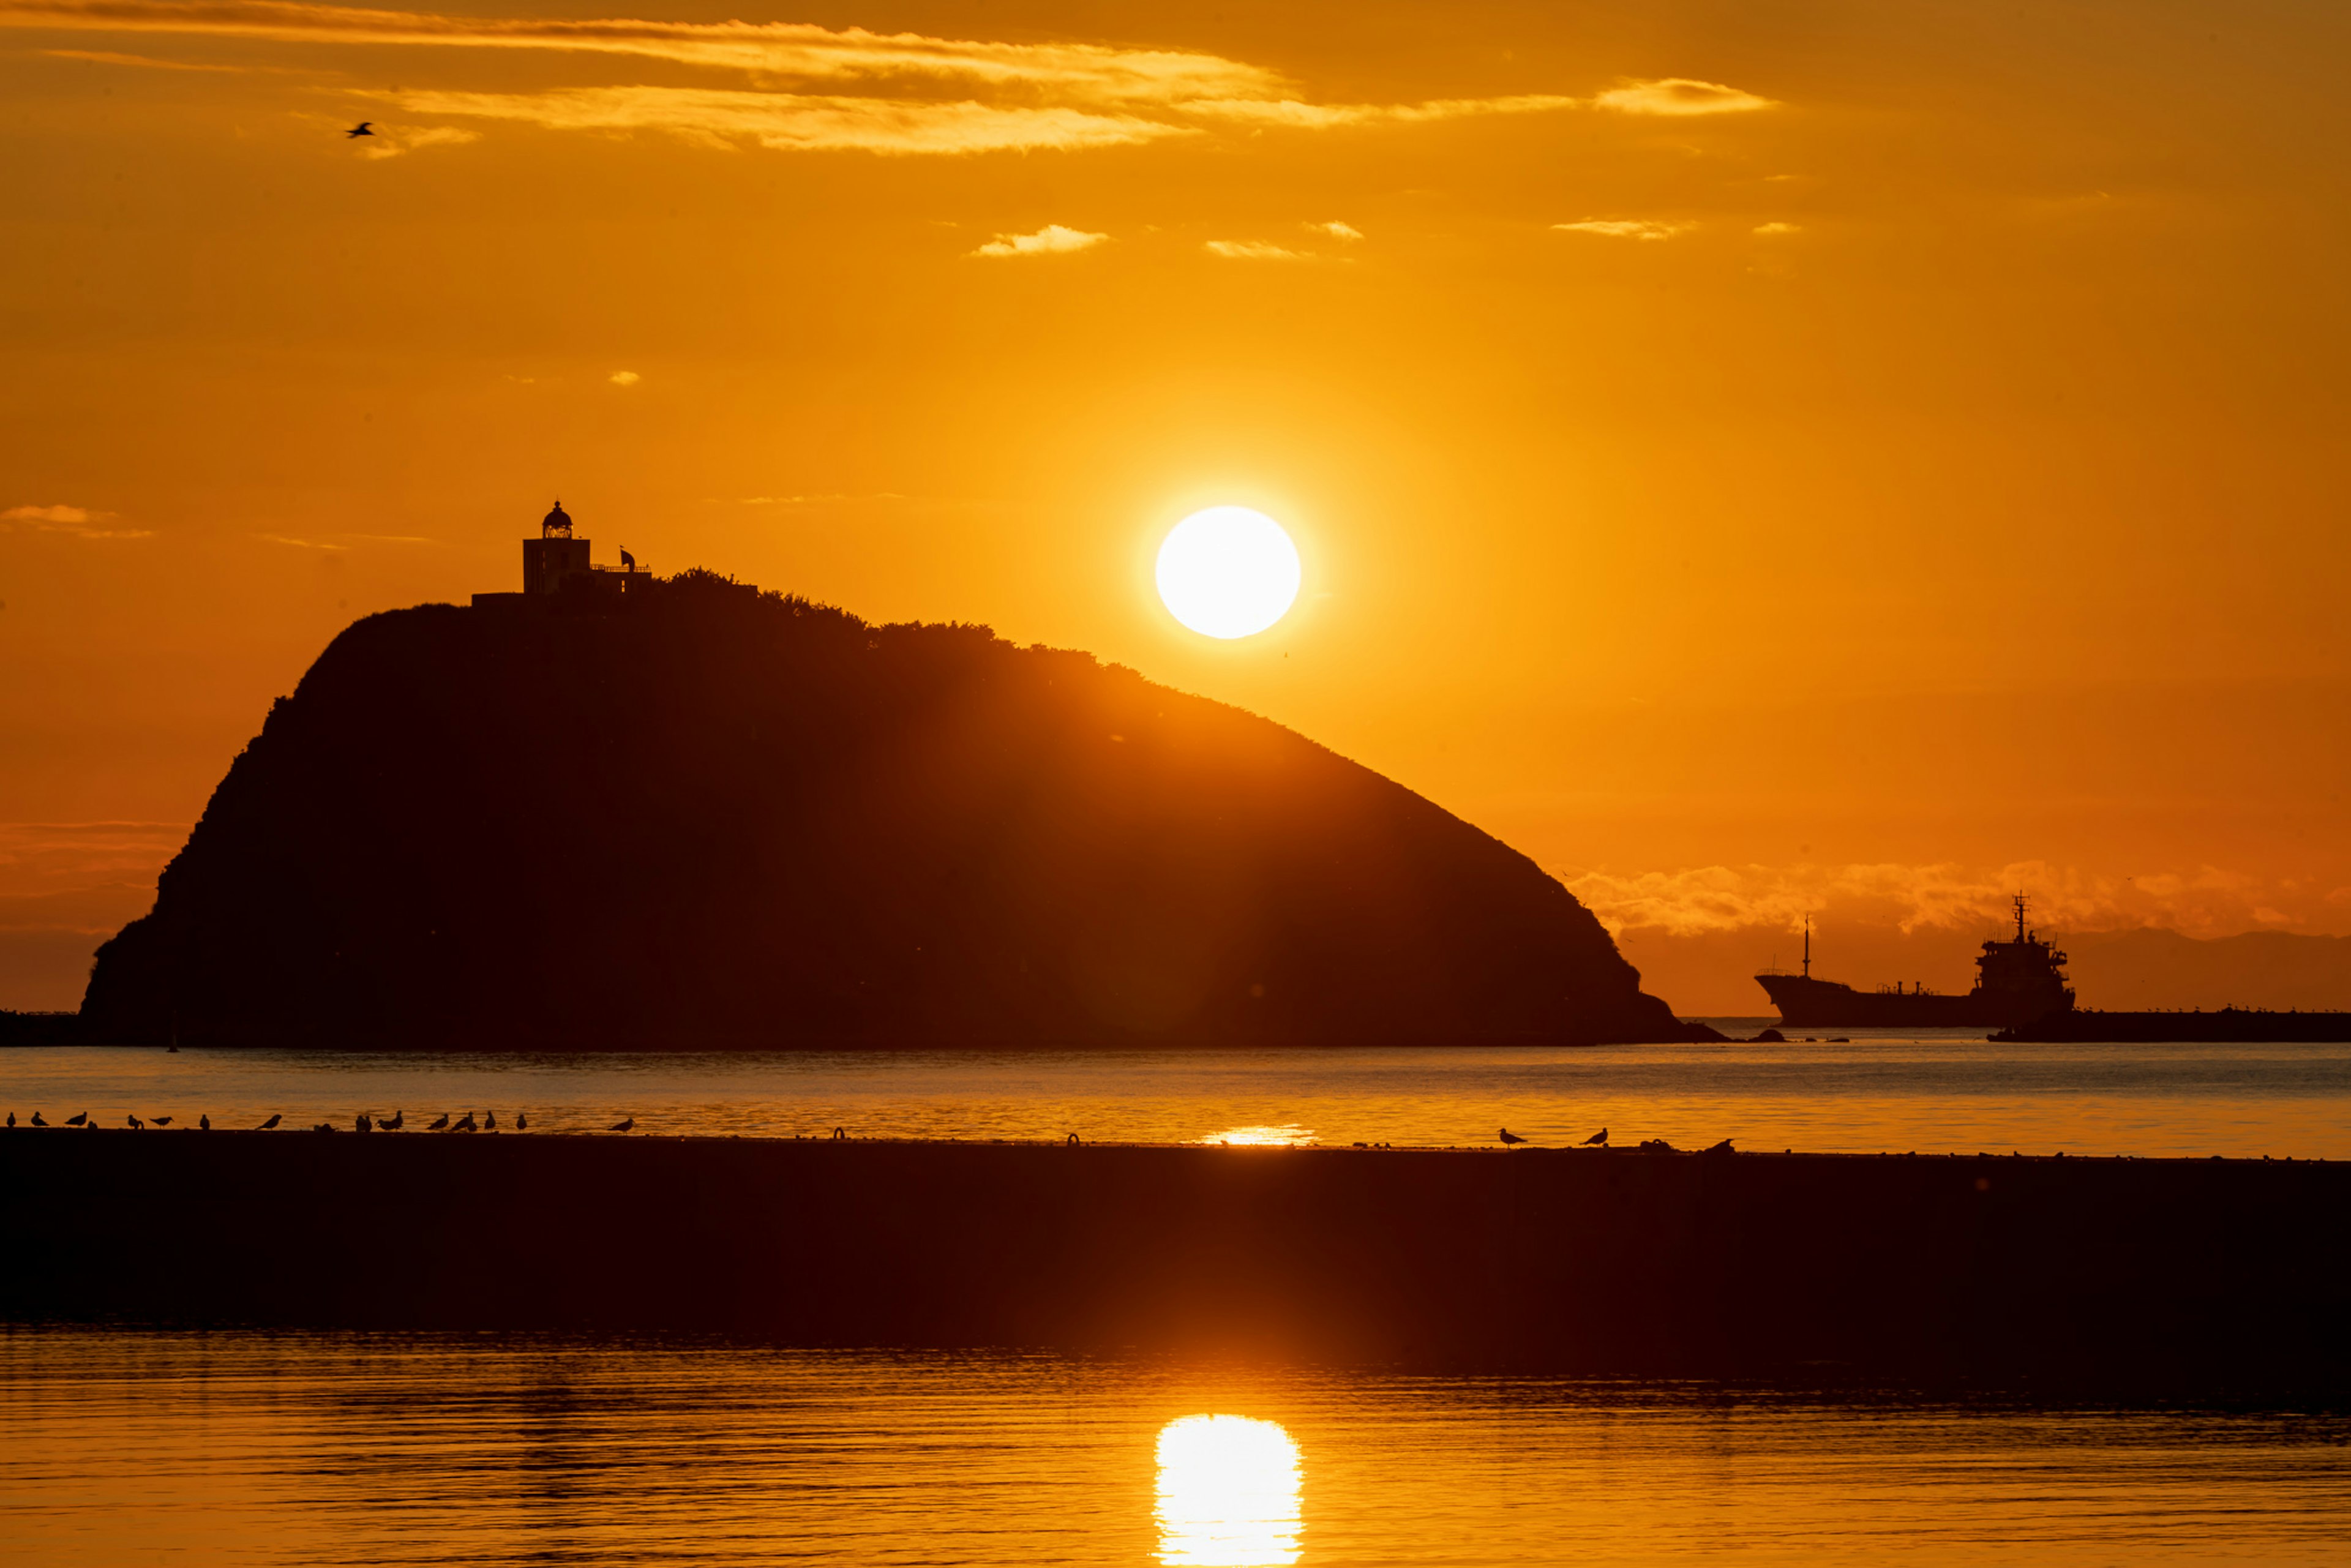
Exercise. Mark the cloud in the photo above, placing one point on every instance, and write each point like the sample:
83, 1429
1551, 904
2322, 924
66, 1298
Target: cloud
102, 58
837, 498
625, 378
1778, 228
1339, 231
391, 143
1289, 113
1625, 229
821, 87
81, 522
1254, 250
1696, 901
1051, 240
722, 118
1677, 95
789, 50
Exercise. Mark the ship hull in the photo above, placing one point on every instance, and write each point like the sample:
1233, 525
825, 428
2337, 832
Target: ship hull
1807, 1003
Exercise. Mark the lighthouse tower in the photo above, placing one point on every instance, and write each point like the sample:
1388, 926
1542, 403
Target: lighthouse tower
557, 574
555, 555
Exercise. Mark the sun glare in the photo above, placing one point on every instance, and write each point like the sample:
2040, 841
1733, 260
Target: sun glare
1228, 572
1228, 1490
1290, 1134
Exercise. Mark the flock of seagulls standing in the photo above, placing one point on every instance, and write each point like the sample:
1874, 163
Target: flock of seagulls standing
363, 1122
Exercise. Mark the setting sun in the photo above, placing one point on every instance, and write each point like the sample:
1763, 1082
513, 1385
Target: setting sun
1228, 572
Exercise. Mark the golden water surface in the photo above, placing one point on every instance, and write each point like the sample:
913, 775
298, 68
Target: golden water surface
131, 1445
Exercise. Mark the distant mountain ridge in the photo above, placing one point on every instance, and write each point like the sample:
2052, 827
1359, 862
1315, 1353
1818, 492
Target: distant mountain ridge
721, 817
2150, 967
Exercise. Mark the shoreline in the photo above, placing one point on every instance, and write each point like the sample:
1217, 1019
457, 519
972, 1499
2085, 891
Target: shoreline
2101, 1274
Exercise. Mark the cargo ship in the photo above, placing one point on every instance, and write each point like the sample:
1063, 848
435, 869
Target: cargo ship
2019, 982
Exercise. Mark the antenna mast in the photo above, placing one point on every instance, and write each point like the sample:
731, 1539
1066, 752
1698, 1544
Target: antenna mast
2020, 917
1808, 946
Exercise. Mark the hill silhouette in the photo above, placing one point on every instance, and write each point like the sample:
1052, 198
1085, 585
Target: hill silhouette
728, 819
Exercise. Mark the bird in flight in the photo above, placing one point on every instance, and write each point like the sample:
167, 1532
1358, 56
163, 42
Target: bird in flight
1599, 1138
624, 1124
266, 1125
360, 129
1511, 1137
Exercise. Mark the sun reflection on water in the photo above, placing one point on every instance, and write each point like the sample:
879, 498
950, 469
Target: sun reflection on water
1290, 1134
1227, 1493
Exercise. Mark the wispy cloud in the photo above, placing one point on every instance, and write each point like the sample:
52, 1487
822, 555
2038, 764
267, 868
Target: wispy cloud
1291, 112
1339, 231
821, 87
1051, 240
834, 499
624, 378
1696, 901
395, 141
103, 57
1778, 228
1625, 229
786, 50
718, 117
1679, 96
82, 522
1253, 250
343, 541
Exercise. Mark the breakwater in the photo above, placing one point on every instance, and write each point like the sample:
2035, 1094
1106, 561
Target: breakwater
2134, 1276
2251, 1026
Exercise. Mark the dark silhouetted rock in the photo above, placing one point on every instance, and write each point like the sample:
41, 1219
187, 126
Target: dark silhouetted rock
722, 817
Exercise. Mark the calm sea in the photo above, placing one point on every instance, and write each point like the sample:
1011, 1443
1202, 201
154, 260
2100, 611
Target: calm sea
125, 1446
1951, 1093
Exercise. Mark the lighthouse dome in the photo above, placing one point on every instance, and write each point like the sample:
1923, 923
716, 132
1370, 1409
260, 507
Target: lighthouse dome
556, 522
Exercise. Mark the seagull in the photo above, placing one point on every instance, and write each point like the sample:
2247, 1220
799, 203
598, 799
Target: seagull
364, 1125
489, 1121
37, 1120
522, 1121
163, 1121
266, 1125
360, 129
324, 1127
80, 1120
466, 1123
205, 1122
1511, 1137
440, 1126
1721, 1148
624, 1124
12, 1118
135, 1123
391, 1123
1599, 1138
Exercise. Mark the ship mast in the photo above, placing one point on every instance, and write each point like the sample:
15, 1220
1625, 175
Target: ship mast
2020, 917
1808, 946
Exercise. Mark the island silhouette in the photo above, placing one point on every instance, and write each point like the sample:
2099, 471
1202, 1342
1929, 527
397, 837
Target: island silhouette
703, 816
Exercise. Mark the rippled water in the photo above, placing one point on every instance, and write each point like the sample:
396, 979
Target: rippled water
125, 1446
1951, 1093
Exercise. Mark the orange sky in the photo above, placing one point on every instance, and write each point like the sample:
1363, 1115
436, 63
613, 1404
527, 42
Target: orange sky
1853, 458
